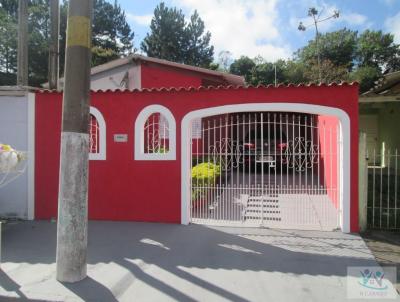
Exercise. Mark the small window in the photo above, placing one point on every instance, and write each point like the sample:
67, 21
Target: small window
155, 134
97, 135
94, 147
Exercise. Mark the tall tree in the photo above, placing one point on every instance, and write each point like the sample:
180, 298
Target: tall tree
329, 72
8, 45
366, 76
264, 73
112, 37
378, 50
295, 72
338, 47
244, 67
172, 38
198, 52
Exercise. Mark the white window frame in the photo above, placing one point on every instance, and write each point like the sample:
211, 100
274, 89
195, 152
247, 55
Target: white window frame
101, 155
141, 119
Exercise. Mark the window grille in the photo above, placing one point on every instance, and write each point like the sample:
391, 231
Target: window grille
93, 135
97, 135
156, 134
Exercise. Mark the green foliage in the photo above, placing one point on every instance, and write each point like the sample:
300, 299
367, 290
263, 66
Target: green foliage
339, 47
213, 66
244, 67
295, 72
376, 49
344, 56
112, 37
329, 72
256, 71
8, 45
366, 76
102, 55
161, 150
205, 173
171, 38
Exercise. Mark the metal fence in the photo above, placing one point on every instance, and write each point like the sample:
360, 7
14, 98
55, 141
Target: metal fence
383, 204
269, 169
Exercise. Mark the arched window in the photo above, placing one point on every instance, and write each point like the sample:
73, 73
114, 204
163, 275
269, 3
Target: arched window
97, 135
155, 137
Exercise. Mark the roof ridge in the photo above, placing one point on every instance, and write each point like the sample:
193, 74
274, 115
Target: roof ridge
220, 87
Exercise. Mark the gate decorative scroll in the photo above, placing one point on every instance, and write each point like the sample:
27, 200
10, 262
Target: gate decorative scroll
227, 152
301, 154
265, 169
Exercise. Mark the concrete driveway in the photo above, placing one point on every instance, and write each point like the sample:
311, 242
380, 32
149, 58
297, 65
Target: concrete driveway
166, 262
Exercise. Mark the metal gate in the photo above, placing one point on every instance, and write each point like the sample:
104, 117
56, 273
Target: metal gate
265, 169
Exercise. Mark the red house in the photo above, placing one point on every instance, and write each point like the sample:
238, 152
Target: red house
138, 72
229, 155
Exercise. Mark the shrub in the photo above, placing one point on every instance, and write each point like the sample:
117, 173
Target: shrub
203, 174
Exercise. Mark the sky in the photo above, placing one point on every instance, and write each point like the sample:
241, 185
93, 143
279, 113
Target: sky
269, 27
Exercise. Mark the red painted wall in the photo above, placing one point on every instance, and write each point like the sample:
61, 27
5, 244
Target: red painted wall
121, 188
156, 77
329, 155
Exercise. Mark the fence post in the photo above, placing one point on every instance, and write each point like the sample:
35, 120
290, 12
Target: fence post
362, 181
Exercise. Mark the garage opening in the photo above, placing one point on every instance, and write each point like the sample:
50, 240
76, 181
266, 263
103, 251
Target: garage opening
269, 169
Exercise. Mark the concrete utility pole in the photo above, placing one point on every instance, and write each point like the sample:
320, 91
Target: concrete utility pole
53, 47
73, 185
22, 57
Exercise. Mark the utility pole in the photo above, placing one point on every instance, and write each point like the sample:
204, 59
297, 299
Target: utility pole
22, 56
73, 183
53, 47
312, 12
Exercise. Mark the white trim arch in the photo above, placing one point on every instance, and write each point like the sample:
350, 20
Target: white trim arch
139, 134
344, 148
101, 155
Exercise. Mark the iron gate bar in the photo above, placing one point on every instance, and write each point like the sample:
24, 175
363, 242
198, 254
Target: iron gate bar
227, 200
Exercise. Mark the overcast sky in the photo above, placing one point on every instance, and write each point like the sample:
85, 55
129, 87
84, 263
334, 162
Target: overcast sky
269, 27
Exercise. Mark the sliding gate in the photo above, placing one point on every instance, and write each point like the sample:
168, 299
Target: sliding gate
266, 169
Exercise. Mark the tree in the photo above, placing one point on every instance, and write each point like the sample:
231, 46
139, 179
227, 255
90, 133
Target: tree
8, 46
338, 47
37, 43
112, 37
244, 67
376, 49
329, 72
198, 52
171, 38
264, 73
294, 72
366, 76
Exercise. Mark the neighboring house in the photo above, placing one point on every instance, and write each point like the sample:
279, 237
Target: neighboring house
380, 115
137, 72
17, 128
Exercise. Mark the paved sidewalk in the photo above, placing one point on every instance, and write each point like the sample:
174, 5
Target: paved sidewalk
166, 262
385, 246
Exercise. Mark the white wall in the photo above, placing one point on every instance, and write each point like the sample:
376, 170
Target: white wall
16, 125
111, 79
